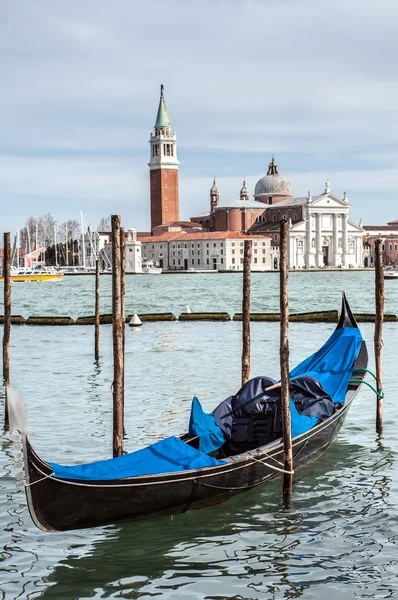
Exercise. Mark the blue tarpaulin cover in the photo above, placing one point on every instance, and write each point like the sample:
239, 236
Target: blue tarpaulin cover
333, 364
166, 456
204, 425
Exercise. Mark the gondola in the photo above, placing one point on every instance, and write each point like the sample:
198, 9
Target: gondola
64, 498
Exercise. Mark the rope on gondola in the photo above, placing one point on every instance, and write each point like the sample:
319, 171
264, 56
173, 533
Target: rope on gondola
378, 394
244, 487
365, 371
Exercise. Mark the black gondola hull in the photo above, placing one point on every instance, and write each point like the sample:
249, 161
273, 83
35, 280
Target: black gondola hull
60, 505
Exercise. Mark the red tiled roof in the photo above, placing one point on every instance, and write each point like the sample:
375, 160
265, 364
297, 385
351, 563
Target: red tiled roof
179, 224
205, 235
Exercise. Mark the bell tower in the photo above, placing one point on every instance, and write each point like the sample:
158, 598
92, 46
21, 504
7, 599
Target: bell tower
163, 169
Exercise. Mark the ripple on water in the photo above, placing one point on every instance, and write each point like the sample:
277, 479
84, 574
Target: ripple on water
340, 538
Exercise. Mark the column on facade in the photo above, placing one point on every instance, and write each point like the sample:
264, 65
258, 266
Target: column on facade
292, 242
308, 242
319, 255
344, 261
334, 260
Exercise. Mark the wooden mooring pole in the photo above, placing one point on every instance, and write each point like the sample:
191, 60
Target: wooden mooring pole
117, 322
7, 319
247, 258
123, 294
378, 337
97, 310
284, 361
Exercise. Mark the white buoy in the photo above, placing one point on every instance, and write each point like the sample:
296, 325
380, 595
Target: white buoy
135, 321
188, 310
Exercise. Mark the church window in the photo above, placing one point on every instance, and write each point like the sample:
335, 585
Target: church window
395, 246
255, 260
178, 245
383, 248
294, 217
274, 218
208, 261
255, 250
207, 252
222, 251
198, 261
263, 250
241, 261
193, 252
270, 200
198, 252
233, 261
206, 245
257, 219
263, 259
233, 244
390, 246
174, 252
215, 245
174, 245
233, 251
313, 243
276, 237
198, 245
172, 150
185, 245
161, 246
193, 261
174, 261
179, 261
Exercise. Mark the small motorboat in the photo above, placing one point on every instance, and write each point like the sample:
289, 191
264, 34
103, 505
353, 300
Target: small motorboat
150, 267
391, 274
43, 274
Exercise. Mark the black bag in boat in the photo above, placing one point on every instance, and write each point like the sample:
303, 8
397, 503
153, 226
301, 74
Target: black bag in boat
252, 417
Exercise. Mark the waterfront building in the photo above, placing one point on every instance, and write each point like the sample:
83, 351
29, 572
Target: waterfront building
132, 255
320, 231
389, 236
219, 250
163, 169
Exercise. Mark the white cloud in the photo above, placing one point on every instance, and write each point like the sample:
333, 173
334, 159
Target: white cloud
243, 79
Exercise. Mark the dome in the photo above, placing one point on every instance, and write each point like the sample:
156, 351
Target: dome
272, 184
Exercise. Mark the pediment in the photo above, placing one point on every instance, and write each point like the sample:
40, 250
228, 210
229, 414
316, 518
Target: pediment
328, 201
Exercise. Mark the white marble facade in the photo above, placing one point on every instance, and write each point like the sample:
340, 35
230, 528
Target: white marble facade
325, 237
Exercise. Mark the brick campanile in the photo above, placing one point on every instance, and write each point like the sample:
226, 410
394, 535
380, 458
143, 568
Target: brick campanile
163, 168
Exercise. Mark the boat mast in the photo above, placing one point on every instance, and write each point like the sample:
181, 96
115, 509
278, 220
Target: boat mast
37, 235
18, 249
29, 249
66, 243
55, 244
83, 246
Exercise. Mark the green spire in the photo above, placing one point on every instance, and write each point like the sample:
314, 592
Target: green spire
162, 119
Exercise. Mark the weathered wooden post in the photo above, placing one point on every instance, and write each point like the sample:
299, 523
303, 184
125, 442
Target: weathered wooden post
117, 322
97, 310
378, 336
247, 258
7, 318
284, 360
123, 292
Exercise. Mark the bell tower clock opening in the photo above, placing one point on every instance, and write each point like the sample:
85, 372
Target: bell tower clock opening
163, 169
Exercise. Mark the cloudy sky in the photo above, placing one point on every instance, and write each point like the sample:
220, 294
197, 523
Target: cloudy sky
313, 81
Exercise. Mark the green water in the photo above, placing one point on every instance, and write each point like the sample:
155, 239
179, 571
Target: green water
339, 541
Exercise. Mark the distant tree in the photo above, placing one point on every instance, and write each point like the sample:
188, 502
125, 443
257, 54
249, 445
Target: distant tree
105, 224
70, 228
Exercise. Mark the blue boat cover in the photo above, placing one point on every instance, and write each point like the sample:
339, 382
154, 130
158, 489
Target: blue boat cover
167, 456
204, 425
333, 364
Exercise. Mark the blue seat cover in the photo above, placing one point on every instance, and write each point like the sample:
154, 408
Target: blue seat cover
167, 456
